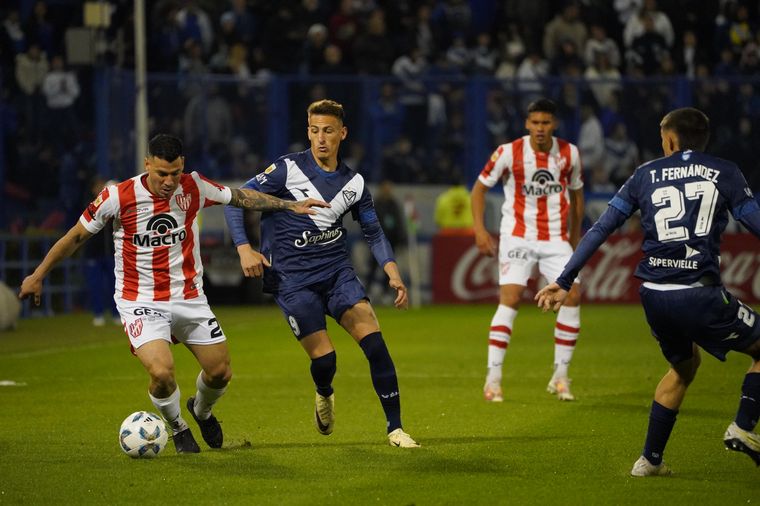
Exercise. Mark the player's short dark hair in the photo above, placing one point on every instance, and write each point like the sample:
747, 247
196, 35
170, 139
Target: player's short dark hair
543, 105
691, 126
327, 108
166, 147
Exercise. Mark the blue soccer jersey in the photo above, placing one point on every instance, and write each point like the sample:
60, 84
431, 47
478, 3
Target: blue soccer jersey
684, 201
307, 249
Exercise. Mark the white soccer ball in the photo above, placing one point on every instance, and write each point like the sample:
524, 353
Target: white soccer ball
143, 435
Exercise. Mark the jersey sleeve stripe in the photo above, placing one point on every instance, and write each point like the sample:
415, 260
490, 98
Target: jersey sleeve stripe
129, 250
565, 178
518, 171
190, 290
621, 205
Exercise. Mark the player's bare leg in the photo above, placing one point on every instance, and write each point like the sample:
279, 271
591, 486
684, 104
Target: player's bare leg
323, 365
360, 321
499, 336
565, 336
211, 384
157, 359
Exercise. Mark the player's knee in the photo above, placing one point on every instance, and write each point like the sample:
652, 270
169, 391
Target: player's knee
220, 374
510, 299
162, 376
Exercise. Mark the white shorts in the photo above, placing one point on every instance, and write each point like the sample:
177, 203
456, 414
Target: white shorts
187, 321
518, 259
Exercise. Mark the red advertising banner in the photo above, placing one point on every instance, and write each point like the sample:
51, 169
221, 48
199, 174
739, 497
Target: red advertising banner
461, 274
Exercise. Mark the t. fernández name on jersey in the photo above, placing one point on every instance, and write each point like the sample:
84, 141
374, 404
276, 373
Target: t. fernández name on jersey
156, 246
305, 249
684, 201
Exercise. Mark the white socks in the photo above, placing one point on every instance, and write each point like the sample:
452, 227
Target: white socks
205, 397
565, 334
169, 409
498, 340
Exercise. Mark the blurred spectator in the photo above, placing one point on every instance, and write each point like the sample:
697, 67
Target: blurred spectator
726, 66
566, 26
343, 27
400, 164
333, 64
31, 69
387, 118
483, 57
61, 89
590, 138
450, 19
621, 156
530, 75
39, 30
452, 209
422, 34
603, 78
740, 31
599, 43
637, 25
194, 24
457, 55
411, 69
391, 218
647, 49
373, 52
244, 22
513, 48
689, 55
14, 33
313, 55
749, 64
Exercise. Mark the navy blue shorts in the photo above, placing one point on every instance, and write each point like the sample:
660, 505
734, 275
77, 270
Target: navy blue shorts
709, 316
305, 308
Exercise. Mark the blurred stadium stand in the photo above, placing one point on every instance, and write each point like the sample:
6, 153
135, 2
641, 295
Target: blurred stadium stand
430, 89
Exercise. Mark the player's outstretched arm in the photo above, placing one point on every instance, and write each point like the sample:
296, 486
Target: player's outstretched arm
258, 201
552, 296
63, 248
395, 282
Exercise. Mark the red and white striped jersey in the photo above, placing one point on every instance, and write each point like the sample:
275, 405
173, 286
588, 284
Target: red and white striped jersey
156, 243
536, 198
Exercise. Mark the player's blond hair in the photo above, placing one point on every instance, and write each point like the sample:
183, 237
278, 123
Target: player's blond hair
327, 108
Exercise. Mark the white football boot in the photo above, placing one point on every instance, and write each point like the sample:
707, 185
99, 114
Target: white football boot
324, 413
643, 467
492, 392
401, 439
741, 440
561, 388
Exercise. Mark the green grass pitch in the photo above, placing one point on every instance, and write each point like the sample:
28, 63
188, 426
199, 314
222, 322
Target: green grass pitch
58, 432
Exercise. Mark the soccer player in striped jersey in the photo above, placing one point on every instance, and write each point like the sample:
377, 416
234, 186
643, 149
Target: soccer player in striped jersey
159, 277
684, 199
306, 264
540, 226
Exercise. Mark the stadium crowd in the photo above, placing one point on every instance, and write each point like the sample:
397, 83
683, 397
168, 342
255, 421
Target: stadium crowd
587, 55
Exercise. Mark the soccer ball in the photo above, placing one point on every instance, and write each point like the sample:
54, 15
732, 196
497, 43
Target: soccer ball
143, 435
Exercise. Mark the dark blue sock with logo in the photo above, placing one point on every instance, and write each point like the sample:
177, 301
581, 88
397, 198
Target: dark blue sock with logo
383, 377
323, 372
661, 422
749, 405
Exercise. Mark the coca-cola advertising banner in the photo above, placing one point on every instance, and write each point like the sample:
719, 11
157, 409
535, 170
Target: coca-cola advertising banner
461, 274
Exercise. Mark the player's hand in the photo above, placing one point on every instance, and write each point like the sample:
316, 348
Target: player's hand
551, 297
31, 286
305, 206
485, 243
251, 261
402, 297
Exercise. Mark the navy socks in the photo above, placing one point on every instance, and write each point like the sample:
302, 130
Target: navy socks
661, 421
323, 372
749, 405
383, 377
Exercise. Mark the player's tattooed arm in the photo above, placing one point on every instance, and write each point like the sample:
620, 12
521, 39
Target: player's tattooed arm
258, 201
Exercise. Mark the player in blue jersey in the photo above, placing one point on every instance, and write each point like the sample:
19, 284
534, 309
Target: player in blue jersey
306, 263
684, 199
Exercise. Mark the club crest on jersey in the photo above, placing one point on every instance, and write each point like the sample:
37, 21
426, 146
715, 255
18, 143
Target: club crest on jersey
183, 201
135, 329
542, 184
349, 196
160, 232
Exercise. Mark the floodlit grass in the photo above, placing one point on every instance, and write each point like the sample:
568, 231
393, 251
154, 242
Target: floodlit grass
58, 432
